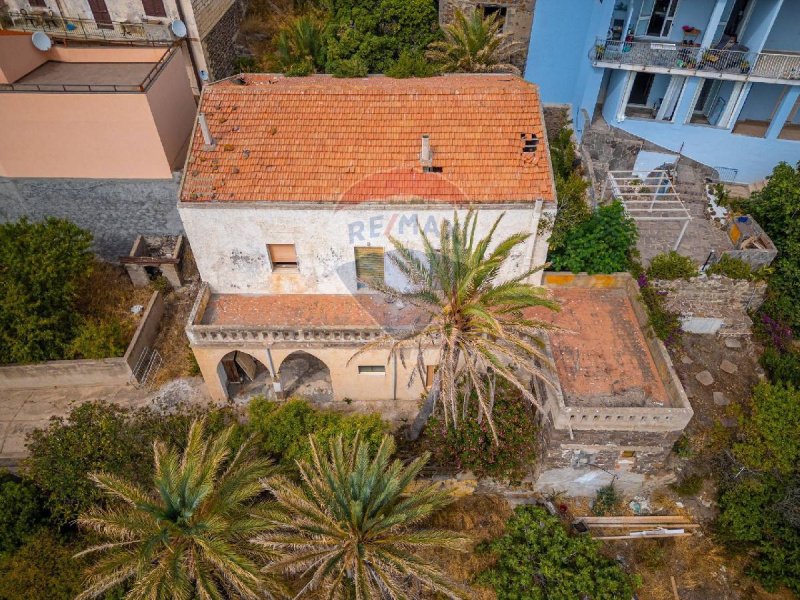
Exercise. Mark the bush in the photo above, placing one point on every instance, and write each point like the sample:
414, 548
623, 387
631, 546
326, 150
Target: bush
42, 569
671, 265
100, 437
689, 485
284, 428
537, 559
411, 64
472, 447
606, 501
665, 324
42, 268
101, 339
735, 268
572, 209
372, 34
605, 243
782, 365
21, 511
760, 500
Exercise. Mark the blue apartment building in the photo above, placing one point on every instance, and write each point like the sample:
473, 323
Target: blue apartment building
716, 80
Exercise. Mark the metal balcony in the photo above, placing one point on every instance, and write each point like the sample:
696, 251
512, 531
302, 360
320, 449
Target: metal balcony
674, 57
87, 29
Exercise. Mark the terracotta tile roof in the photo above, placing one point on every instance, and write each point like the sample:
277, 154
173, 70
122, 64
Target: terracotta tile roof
309, 310
323, 139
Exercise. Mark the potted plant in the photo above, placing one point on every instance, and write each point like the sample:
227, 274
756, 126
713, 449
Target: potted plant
599, 51
744, 67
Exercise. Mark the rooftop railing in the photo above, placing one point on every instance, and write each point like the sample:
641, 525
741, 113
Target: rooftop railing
701, 61
82, 88
87, 29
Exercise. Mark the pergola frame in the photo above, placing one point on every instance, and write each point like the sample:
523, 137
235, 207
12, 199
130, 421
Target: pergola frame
650, 197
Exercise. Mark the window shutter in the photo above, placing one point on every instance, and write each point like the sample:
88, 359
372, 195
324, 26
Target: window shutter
282, 254
369, 265
37, 3
154, 8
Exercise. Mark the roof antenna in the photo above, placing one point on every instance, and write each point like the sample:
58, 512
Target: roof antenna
425, 153
207, 138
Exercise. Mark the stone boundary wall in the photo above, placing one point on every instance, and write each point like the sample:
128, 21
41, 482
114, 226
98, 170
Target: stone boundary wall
86, 372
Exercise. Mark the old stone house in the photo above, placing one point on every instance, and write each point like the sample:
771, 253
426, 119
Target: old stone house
292, 189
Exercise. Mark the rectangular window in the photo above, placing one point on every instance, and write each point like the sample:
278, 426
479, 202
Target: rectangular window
282, 256
369, 266
430, 371
37, 3
369, 369
154, 8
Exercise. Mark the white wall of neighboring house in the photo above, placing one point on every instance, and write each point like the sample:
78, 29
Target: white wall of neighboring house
230, 242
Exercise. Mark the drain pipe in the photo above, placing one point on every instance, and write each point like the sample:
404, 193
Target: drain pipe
394, 377
276, 383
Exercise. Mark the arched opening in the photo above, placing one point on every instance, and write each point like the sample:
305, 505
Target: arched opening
304, 375
243, 375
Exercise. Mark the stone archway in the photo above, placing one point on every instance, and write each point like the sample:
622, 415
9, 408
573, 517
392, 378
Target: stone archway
304, 375
243, 375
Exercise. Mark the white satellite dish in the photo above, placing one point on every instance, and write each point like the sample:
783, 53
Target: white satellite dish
178, 27
41, 41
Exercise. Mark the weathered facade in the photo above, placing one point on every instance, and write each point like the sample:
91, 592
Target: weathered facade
294, 186
516, 16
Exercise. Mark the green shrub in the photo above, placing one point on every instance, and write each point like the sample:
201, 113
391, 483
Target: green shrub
42, 268
689, 485
100, 437
537, 559
671, 265
735, 268
683, 447
572, 208
284, 427
101, 339
605, 243
782, 366
21, 511
411, 64
42, 569
472, 447
351, 67
606, 500
760, 499
665, 324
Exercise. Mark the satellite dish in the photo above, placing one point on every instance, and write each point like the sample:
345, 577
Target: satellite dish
178, 27
203, 75
41, 41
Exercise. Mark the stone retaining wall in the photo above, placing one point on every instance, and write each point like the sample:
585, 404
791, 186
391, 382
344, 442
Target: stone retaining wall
219, 44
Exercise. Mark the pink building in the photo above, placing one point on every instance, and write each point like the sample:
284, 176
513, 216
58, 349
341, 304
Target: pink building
95, 112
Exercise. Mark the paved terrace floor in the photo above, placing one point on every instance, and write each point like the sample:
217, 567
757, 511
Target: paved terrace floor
86, 73
601, 357
309, 310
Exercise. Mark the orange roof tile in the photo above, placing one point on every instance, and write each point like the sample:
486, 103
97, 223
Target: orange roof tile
322, 139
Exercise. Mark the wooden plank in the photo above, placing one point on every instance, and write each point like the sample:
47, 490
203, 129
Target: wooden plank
643, 519
151, 261
635, 525
645, 537
674, 587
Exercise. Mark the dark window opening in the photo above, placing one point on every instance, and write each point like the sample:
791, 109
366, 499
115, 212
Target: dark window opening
432, 169
500, 11
530, 143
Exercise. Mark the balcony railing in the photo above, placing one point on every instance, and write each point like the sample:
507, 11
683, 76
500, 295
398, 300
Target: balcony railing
86, 29
82, 88
704, 62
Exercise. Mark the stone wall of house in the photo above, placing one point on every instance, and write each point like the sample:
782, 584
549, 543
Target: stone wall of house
114, 210
219, 46
519, 20
715, 297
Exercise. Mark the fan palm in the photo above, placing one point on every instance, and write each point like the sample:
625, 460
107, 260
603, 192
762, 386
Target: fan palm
301, 46
351, 526
475, 321
474, 44
189, 536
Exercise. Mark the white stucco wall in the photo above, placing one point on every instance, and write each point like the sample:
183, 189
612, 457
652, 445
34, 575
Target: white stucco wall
229, 242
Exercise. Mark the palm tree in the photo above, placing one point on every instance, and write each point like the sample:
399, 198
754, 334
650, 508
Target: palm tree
351, 526
301, 48
474, 44
188, 537
475, 321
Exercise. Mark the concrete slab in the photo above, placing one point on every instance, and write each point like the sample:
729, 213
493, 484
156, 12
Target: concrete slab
732, 343
728, 367
705, 378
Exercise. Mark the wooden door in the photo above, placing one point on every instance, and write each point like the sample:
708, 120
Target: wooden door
100, 12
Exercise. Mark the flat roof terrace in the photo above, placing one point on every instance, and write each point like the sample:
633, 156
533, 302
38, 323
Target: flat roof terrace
88, 73
601, 355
